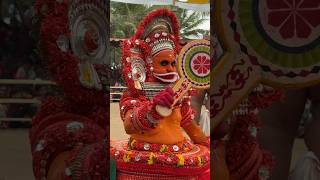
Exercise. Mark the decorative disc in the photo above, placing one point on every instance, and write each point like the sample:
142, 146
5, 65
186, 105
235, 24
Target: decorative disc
280, 37
138, 70
275, 42
194, 63
88, 23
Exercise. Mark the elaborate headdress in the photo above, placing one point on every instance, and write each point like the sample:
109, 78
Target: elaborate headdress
158, 31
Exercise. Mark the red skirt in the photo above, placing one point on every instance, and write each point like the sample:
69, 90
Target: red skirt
189, 163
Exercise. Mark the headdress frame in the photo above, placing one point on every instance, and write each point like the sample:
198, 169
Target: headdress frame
159, 30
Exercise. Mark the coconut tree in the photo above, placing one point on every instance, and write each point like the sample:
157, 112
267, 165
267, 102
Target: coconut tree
190, 22
125, 18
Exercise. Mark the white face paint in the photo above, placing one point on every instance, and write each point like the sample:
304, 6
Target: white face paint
167, 77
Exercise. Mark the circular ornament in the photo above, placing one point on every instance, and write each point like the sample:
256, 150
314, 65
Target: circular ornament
88, 22
146, 146
40, 145
279, 38
74, 126
194, 63
138, 70
274, 42
175, 148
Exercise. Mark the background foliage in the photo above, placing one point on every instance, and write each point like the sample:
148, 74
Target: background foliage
124, 19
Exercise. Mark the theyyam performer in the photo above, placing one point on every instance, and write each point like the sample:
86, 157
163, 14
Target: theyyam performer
157, 147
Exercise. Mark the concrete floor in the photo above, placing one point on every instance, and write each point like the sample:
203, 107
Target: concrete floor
15, 155
117, 131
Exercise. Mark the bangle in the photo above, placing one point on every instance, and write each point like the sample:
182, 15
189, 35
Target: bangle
125, 107
139, 117
133, 122
153, 115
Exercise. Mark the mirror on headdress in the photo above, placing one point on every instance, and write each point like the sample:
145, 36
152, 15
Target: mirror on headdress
88, 39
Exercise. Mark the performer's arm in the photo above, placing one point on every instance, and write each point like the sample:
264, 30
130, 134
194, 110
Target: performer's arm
196, 104
190, 126
196, 134
139, 114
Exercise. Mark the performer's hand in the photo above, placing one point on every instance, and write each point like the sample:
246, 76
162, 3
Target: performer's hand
164, 98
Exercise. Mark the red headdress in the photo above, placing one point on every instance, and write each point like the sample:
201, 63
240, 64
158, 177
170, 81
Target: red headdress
158, 31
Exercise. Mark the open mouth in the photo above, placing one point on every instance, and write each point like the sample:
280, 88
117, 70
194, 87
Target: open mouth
167, 77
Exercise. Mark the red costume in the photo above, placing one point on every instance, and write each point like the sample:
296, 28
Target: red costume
157, 148
237, 152
67, 134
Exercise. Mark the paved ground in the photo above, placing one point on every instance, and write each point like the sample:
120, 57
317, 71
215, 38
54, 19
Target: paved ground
117, 131
15, 155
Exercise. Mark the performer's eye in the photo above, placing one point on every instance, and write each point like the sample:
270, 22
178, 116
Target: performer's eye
164, 62
173, 63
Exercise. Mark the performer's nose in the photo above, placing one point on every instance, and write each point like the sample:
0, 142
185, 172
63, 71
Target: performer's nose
171, 68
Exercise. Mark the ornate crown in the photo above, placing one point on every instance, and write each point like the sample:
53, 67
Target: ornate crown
158, 31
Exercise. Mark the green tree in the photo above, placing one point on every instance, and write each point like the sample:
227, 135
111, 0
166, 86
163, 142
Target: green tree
189, 23
125, 18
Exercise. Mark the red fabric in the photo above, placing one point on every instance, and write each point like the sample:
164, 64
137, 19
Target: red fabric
205, 175
244, 156
63, 66
124, 176
57, 139
78, 103
196, 159
142, 107
150, 170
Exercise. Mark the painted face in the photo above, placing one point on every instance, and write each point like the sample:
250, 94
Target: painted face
164, 66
